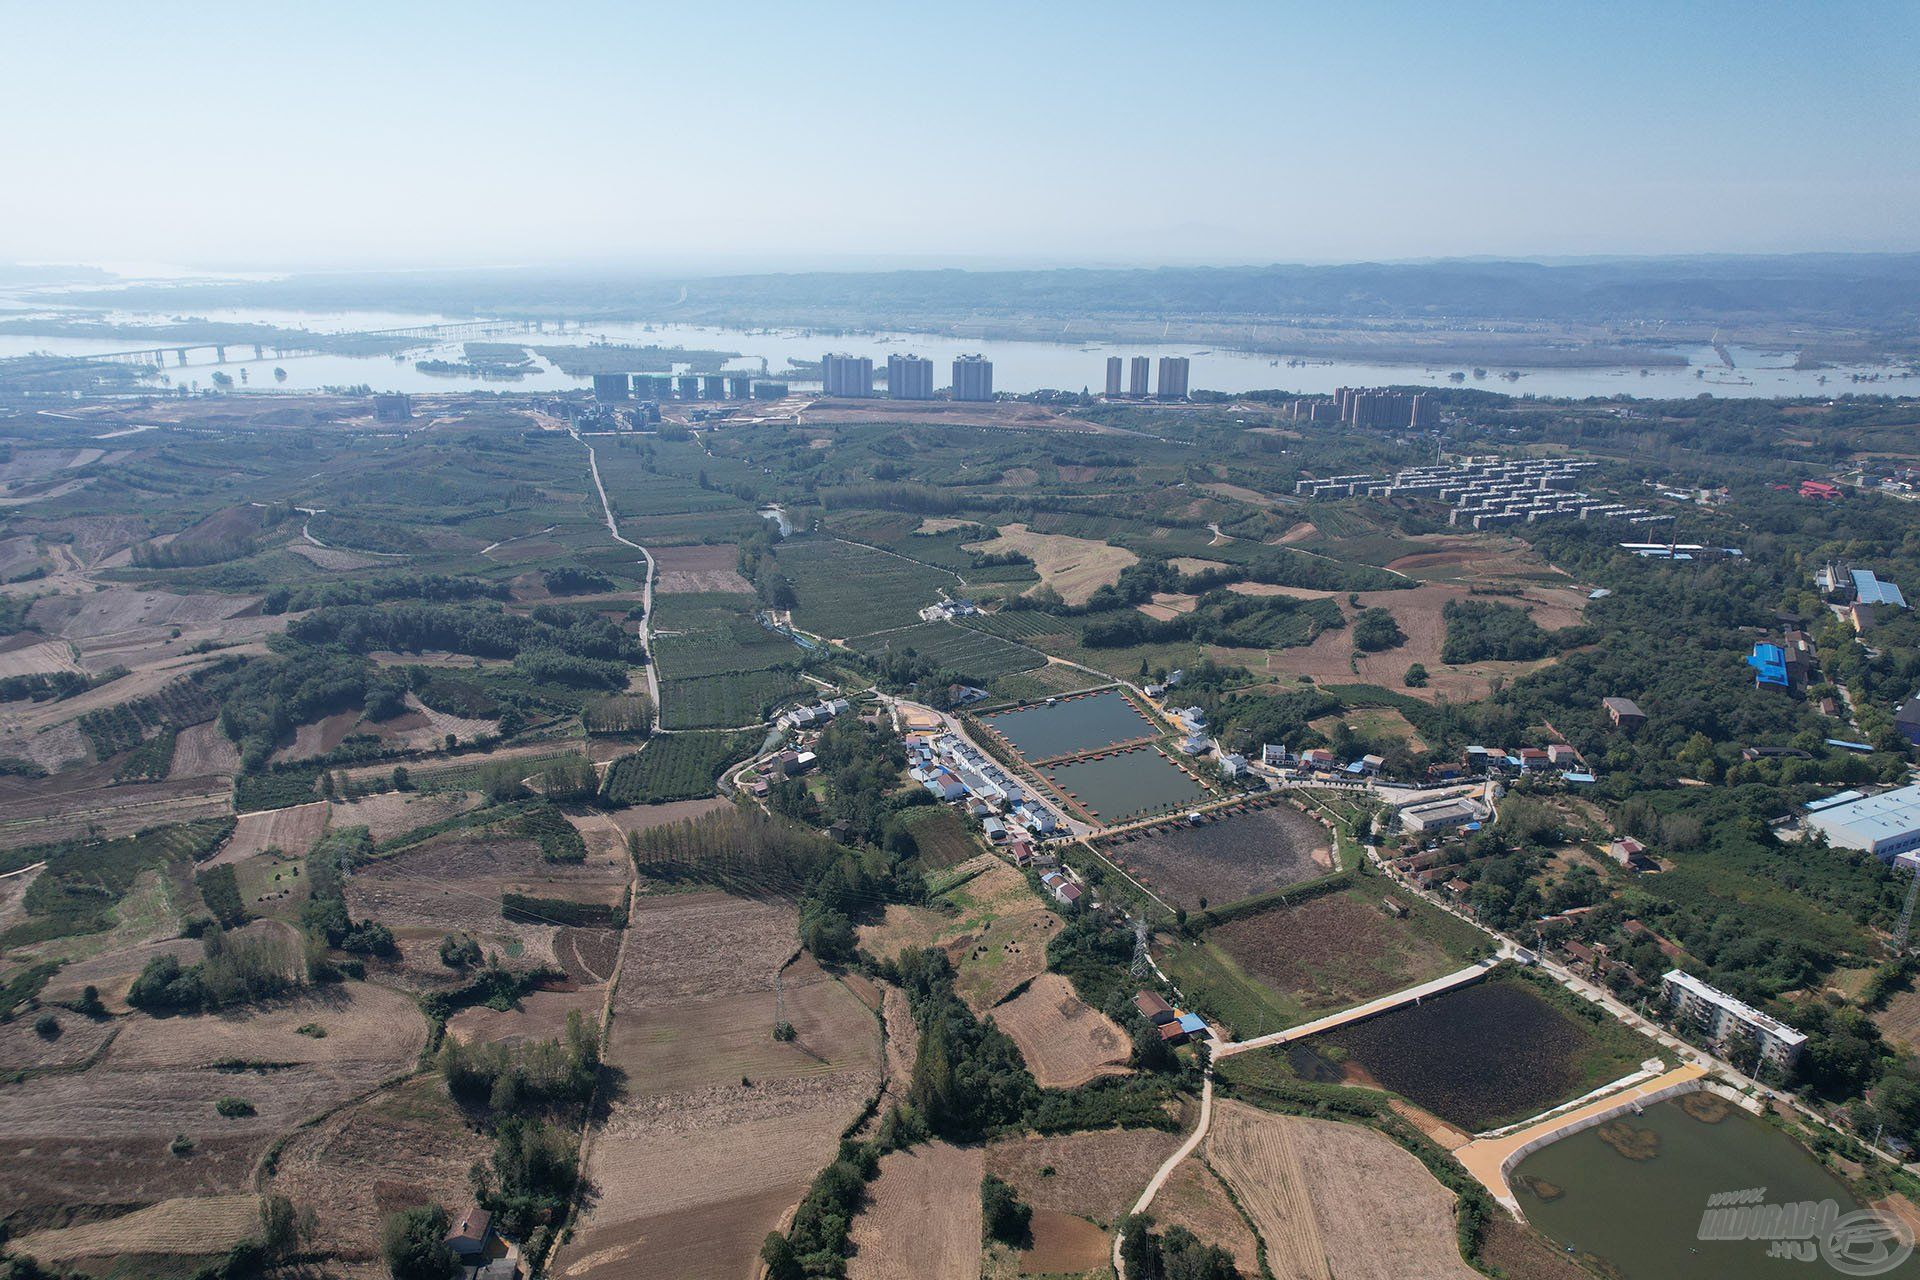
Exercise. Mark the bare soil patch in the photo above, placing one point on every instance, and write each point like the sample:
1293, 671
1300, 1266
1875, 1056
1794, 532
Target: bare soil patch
395, 813
687, 946
454, 883
699, 568
1227, 856
922, 1220
337, 559
405, 1146
1096, 1175
190, 1227
1900, 1020
1300, 532
1065, 1041
1075, 567
587, 955
319, 737
22, 1048
692, 1167
204, 751
645, 817
1064, 1245
542, 1015
38, 659
292, 831
1419, 611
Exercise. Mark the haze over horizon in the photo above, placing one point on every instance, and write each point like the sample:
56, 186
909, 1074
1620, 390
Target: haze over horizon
362, 137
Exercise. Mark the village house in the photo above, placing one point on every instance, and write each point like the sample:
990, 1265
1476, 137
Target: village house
1631, 854
1064, 891
1624, 713
1154, 1009
470, 1233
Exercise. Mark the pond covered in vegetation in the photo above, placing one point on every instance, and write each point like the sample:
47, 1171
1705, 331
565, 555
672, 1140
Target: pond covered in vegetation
1478, 1056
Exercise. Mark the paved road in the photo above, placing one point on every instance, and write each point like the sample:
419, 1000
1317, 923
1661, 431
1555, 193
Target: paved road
1412, 995
646, 591
1161, 1174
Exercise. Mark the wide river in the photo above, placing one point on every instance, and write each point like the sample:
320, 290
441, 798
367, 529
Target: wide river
1017, 366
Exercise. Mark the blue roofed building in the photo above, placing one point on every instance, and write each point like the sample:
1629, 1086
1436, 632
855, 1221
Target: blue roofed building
1769, 663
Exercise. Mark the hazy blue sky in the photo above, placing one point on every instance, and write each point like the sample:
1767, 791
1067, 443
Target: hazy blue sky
394, 134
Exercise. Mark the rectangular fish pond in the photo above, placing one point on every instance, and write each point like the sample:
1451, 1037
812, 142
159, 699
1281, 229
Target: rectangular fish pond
1125, 784
1480, 1056
1629, 1194
1074, 724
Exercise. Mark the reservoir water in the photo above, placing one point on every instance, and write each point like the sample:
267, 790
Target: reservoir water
1018, 366
1631, 1193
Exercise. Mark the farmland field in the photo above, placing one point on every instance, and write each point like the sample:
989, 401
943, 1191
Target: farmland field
407, 1143
1095, 1175
845, 590
679, 766
942, 837
720, 1126
1065, 1042
922, 1218
725, 701
292, 831
1335, 1201
1287, 964
709, 634
100, 1136
972, 654
1485, 1055
1231, 855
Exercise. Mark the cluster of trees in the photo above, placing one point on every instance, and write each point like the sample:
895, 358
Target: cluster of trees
431, 587
324, 914
1175, 1254
1480, 631
550, 1076
232, 971
969, 1079
1375, 629
482, 632
1219, 617
533, 1096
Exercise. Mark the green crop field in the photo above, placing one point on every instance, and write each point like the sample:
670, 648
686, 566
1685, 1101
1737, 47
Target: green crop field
973, 654
846, 590
706, 639
725, 701
679, 766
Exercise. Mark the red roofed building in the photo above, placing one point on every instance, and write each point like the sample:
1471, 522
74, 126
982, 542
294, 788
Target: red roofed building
1820, 490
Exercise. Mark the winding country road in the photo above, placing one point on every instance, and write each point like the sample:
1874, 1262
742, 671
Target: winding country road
646, 592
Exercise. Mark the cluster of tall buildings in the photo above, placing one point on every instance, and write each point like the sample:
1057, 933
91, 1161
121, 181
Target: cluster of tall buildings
1173, 377
908, 377
1369, 407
